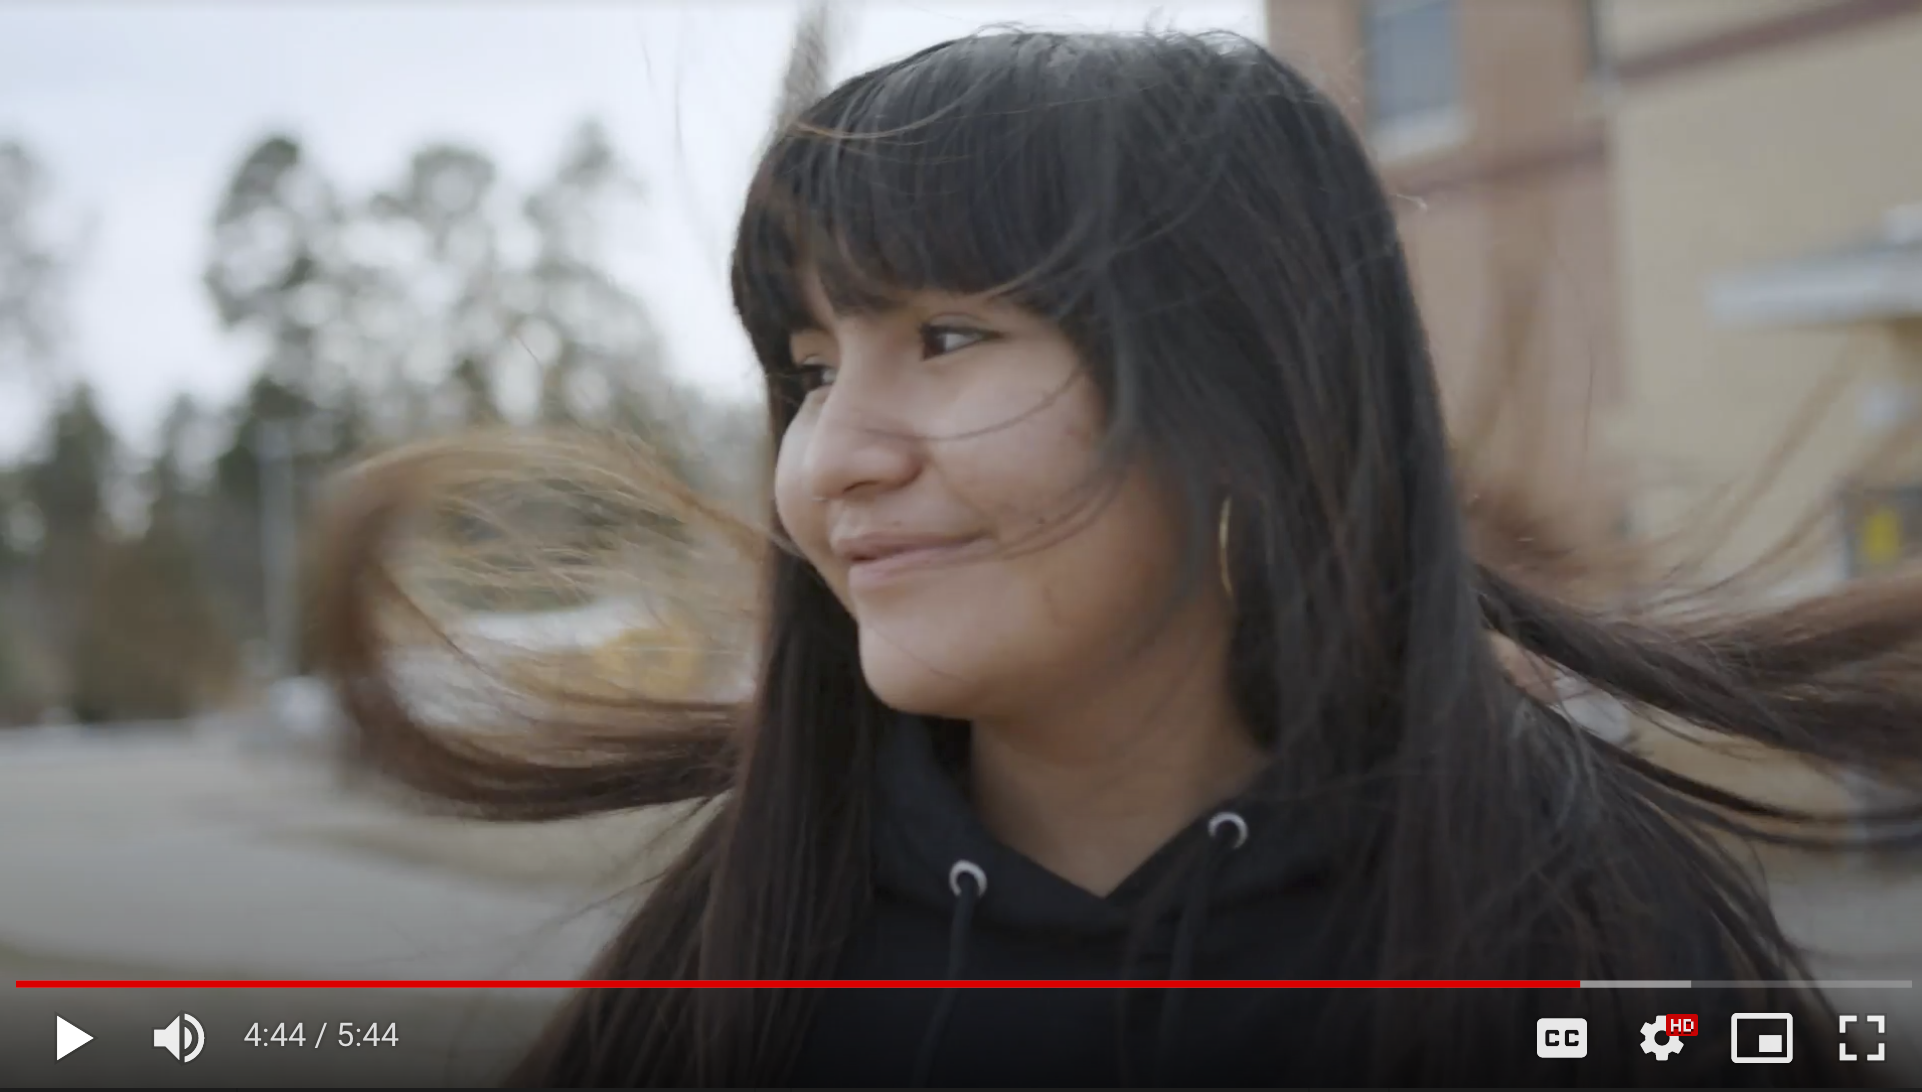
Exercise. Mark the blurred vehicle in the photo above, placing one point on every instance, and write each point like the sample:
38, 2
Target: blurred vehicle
605, 650
302, 711
510, 666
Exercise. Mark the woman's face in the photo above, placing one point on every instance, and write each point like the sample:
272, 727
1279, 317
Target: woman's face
937, 440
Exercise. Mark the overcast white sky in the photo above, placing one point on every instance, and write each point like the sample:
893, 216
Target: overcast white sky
141, 111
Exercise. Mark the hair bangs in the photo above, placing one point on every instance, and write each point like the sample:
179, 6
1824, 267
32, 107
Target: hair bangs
953, 170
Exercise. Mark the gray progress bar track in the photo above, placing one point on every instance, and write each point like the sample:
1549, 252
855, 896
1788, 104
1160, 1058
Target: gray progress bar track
1687, 984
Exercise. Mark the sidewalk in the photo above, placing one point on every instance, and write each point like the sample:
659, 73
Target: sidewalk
165, 856
180, 854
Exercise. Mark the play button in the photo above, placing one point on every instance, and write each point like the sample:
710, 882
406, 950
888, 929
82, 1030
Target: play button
67, 1038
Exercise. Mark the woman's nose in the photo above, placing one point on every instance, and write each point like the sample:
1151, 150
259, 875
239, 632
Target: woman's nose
860, 441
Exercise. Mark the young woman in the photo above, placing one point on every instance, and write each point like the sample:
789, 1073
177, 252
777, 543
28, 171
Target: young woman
1127, 629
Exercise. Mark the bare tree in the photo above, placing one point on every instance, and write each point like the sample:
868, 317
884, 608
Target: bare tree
33, 267
810, 61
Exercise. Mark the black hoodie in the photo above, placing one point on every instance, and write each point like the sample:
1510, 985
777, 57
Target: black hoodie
1246, 893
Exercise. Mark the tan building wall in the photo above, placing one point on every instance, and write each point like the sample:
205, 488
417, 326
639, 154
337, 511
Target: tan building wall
1640, 28
1508, 223
1748, 132
1732, 132
1726, 165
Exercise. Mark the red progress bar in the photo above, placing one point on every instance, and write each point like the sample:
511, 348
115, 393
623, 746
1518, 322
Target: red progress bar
830, 984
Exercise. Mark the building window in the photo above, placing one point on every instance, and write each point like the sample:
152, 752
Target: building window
1883, 527
1414, 72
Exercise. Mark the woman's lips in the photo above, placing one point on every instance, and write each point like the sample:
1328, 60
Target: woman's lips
872, 564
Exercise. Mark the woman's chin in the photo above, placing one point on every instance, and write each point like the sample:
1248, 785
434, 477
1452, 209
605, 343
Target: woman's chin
915, 685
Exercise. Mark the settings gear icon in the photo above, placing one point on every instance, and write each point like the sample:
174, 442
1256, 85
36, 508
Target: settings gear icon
1660, 1050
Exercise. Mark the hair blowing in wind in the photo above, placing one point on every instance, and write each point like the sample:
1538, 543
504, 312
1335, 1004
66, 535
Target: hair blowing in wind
1207, 231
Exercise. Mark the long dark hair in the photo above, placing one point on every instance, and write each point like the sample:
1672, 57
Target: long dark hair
1209, 231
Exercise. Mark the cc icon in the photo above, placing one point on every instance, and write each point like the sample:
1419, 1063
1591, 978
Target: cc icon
1561, 1037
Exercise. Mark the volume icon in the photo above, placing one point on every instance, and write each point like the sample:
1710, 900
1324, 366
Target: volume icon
183, 1043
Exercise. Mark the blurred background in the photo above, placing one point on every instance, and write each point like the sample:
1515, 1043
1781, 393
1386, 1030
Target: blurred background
240, 244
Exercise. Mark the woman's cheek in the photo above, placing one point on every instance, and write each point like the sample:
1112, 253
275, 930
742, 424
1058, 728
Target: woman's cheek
800, 514
1025, 471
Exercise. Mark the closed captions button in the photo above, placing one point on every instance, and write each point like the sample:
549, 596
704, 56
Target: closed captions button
1561, 1037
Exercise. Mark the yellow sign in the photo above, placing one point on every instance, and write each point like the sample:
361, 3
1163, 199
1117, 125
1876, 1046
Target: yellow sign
1881, 538
664, 661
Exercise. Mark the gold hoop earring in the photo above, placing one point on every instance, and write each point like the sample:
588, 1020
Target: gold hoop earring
1227, 581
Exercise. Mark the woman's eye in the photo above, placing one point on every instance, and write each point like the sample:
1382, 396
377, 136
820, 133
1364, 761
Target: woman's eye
815, 373
938, 339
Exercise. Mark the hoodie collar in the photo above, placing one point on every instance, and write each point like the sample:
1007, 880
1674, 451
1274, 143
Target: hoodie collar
925, 825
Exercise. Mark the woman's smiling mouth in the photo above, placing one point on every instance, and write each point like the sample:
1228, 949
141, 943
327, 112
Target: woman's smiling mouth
877, 558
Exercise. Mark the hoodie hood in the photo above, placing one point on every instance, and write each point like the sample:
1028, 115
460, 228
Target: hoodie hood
1192, 910
924, 827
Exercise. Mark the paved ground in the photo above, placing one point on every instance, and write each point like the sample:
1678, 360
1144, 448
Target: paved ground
170, 857
166, 858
